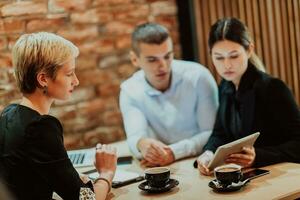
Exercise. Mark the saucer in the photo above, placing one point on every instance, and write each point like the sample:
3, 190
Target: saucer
229, 188
171, 184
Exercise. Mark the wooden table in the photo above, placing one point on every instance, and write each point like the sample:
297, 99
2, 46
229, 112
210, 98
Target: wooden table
283, 182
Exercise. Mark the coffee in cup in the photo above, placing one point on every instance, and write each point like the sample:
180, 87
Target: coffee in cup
157, 176
228, 174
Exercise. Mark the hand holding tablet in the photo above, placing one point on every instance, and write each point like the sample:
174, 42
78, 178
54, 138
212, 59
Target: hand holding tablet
233, 147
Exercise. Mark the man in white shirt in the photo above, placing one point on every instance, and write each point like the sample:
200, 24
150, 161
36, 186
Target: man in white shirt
169, 106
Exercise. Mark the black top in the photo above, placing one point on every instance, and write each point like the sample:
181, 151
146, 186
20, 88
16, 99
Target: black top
33, 160
262, 103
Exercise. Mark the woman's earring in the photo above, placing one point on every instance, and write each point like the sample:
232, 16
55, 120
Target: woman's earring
45, 90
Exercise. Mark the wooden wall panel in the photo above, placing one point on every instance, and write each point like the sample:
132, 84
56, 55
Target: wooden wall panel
275, 28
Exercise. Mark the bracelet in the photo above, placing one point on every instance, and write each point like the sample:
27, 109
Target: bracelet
104, 179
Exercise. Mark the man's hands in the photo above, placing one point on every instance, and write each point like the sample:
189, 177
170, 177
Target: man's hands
155, 153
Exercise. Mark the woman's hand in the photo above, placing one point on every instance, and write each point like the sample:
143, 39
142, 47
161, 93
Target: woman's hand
203, 161
106, 161
245, 158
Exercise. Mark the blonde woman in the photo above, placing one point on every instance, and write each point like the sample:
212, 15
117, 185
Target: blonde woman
34, 162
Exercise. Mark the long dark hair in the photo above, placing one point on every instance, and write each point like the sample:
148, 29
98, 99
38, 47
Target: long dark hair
233, 30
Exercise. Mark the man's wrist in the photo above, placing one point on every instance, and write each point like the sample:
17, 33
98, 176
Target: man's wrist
140, 144
171, 155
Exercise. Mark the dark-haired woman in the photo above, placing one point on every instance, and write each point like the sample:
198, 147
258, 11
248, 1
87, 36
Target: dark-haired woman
250, 101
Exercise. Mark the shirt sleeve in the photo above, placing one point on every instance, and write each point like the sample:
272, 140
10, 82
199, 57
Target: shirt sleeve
207, 105
135, 122
49, 159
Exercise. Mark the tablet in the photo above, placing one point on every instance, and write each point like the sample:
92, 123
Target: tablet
232, 147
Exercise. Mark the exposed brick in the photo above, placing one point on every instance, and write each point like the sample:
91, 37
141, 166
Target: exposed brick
3, 43
79, 94
132, 11
81, 124
168, 21
113, 60
94, 77
4, 79
100, 46
109, 61
56, 6
163, 8
7, 79
92, 107
68, 112
151, 1
110, 2
92, 16
45, 24
117, 27
102, 30
24, 8
123, 41
8, 94
5, 60
111, 102
5, 2
57, 16
79, 33
175, 37
126, 70
11, 25
109, 89
102, 135
112, 118
11, 40
84, 62
73, 141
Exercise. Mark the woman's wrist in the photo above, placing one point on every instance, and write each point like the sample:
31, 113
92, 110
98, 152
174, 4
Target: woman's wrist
107, 175
102, 179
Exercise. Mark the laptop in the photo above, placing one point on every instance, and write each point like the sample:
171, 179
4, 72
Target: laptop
82, 157
86, 157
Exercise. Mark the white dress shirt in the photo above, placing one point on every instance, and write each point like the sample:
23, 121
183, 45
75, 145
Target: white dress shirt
181, 117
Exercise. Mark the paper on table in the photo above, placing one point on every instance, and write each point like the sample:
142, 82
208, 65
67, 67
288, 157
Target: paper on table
120, 175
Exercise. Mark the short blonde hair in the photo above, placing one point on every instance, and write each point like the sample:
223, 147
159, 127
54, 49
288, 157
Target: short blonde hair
38, 52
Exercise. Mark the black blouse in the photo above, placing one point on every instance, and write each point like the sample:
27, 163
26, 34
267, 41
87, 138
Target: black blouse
33, 160
261, 103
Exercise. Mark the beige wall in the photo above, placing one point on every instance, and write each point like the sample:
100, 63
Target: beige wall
101, 29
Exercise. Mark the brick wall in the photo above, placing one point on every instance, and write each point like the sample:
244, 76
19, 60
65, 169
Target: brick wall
101, 29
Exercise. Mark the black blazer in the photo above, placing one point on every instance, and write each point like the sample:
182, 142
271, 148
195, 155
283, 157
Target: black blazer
267, 106
33, 160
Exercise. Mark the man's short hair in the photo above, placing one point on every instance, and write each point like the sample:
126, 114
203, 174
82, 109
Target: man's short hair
38, 52
149, 33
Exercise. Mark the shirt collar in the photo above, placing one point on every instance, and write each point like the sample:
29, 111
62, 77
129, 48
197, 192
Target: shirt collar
151, 91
